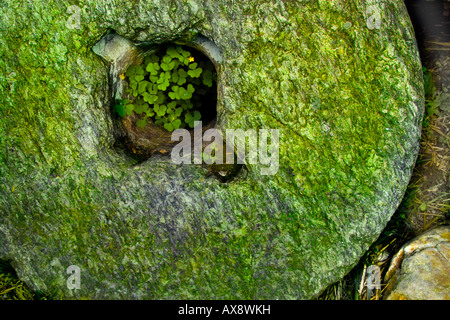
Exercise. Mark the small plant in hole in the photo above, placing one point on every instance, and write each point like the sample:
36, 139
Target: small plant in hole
168, 89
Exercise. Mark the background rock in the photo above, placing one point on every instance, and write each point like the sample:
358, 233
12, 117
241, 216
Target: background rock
421, 268
342, 82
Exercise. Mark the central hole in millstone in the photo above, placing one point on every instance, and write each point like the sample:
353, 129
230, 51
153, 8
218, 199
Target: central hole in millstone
169, 88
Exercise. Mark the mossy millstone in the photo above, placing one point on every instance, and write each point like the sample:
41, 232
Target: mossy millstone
341, 80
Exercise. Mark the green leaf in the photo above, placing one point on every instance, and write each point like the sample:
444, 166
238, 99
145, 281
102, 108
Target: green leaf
178, 111
161, 111
152, 88
161, 98
120, 109
188, 118
145, 107
171, 117
185, 94
207, 78
139, 70
197, 115
139, 78
164, 80
187, 105
161, 78
176, 124
163, 86
129, 109
182, 73
195, 73
172, 95
423, 206
164, 66
175, 76
193, 65
168, 66
153, 68
138, 108
141, 123
181, 91
172, 52
153, 98
131, 71
142, 86
172, 105
181, 81
154, 57
168, 127
185, 53
147, 60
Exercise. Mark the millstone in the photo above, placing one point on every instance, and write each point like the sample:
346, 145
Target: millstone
340, 80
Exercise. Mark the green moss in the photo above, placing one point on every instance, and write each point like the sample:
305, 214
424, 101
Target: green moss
347, 101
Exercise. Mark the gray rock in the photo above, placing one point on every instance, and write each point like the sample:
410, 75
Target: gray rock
421, 268
342, 83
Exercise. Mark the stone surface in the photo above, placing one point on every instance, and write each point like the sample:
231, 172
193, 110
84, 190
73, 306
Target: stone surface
341, 80
421, 268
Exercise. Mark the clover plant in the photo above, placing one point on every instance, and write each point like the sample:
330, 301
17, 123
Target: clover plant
167, 89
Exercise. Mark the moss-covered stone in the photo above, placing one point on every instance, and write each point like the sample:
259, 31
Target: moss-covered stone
346, 97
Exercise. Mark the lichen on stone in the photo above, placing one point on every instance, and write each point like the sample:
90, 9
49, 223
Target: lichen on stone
347, 99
